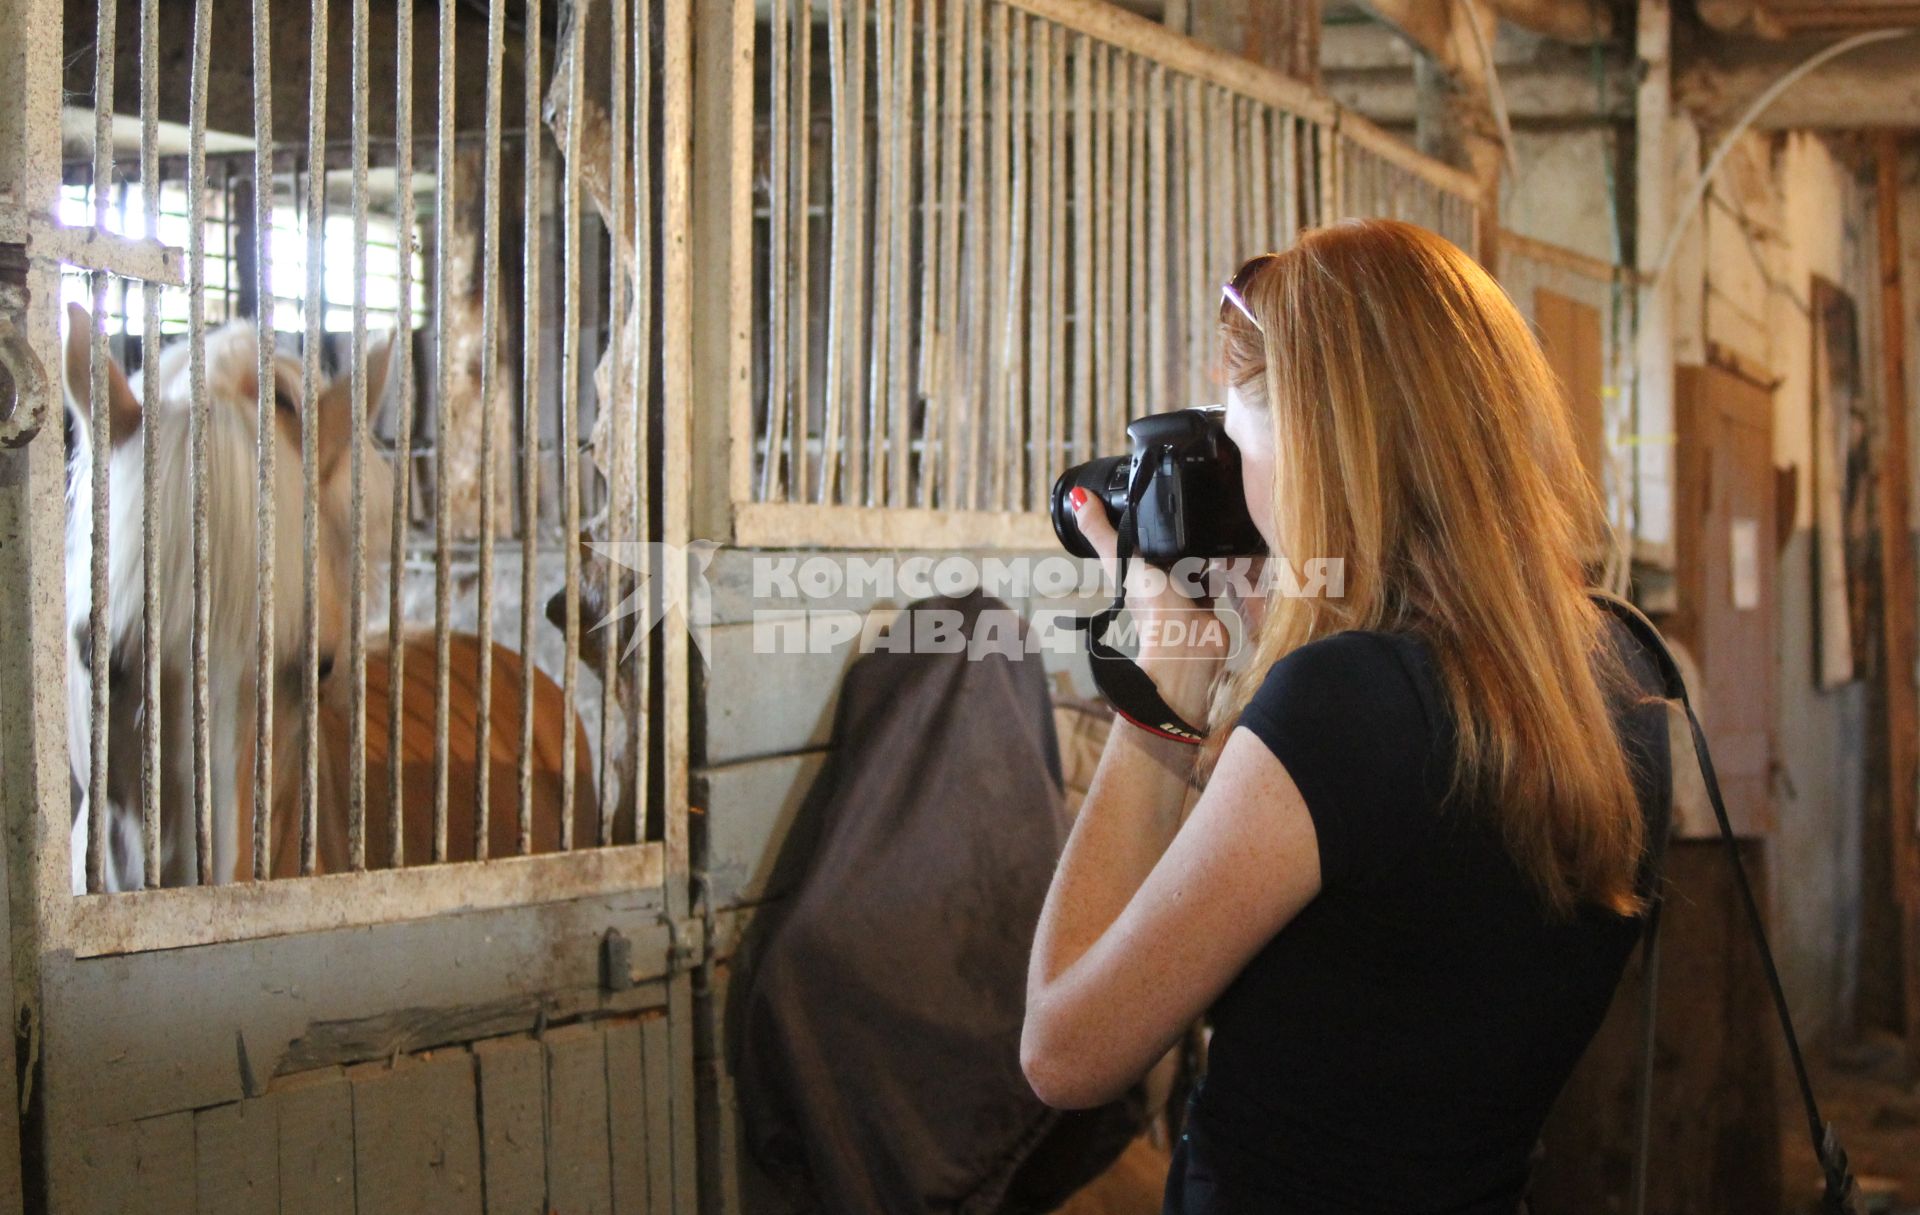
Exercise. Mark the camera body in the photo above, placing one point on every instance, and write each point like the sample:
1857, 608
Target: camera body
1193, 504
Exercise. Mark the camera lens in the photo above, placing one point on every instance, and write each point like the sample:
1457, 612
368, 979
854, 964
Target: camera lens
1097, 477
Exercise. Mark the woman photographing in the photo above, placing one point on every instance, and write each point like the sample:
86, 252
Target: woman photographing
1417, 868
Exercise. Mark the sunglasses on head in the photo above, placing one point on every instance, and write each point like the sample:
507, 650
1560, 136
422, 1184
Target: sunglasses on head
1232, 291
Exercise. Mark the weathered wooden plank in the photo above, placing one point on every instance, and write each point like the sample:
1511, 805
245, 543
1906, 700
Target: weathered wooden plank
657, 1060
751, 810
416, 1134
578, 1167
163, 1164
236, 1158
627, 1117
110, 1182
156, 1033
513, 1124
316, 1145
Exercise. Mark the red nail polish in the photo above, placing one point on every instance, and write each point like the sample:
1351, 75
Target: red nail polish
1079, 496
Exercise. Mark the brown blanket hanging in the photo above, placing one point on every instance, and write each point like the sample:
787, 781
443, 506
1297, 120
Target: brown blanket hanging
879, 1023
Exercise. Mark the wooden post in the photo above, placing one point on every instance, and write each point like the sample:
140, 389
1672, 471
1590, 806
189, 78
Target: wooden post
1652, 418
1280, 34
1898, 615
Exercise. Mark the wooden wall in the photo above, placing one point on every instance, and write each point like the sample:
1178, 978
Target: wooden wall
576, 1119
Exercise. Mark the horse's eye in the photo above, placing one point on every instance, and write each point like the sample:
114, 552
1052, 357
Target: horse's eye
283, 400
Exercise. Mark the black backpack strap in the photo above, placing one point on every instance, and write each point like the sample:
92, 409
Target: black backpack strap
1841, 1196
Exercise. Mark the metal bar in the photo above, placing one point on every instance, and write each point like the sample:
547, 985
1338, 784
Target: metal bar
886, 119
101, 425
779, 216
1059, 408
932, 450
403, 419
359, 391
952, 132
1156, 229
570, 413
1289, 180
1141, 297
1096, 306
1012, 335
266, 440
445, 196
899, 317
619, 402
865, 247
976, 188
313, 309
490, 262
996, 285
149, 452
839, 319
1083, 229
203, 777
1118, 132
1039, 328
530, 314
1194, 224
638, 750
1218, 195
800, 251
1259, 182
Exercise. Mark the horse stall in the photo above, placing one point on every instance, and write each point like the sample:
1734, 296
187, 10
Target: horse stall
381, 840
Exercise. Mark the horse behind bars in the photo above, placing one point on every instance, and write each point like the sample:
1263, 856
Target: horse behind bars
232, 582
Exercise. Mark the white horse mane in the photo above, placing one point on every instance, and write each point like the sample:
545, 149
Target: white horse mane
232, 581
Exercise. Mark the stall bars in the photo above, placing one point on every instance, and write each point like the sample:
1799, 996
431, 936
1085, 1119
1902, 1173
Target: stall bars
642, 195
974, 275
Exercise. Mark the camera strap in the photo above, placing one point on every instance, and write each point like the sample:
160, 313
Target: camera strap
1841, 1196
1129, 689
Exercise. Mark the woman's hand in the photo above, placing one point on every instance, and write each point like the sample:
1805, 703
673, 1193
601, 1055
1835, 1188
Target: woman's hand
1182, 642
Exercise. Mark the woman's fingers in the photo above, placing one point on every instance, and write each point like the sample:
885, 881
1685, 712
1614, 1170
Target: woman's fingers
1090, 514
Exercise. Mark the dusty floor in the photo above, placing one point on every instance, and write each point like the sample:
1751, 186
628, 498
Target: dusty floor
1873, 1098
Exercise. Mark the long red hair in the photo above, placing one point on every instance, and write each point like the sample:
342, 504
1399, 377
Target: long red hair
1420, 436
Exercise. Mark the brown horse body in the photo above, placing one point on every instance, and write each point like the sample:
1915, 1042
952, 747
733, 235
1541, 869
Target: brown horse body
417, 777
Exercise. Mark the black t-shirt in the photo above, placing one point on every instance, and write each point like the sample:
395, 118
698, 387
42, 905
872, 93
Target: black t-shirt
1395, 1048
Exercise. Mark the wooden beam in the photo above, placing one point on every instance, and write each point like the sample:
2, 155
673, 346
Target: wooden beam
1466, 129
1576, 22
1875, 86
1281, 34
1902, 746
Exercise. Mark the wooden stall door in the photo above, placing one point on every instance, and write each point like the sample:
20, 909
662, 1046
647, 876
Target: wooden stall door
1571, 336
1725, 615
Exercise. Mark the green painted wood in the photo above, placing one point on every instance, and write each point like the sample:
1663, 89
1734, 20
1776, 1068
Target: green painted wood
579, 1165
236, 1158
417, 1135
659, 1089
513, 1129
316, 1145
627, 1117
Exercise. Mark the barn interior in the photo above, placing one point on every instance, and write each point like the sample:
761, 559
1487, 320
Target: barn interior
500, 785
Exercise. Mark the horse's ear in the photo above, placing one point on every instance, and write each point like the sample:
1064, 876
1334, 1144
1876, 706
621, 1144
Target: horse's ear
123, 408
335, 421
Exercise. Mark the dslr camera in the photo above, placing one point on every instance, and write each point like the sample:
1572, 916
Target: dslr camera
1191, 504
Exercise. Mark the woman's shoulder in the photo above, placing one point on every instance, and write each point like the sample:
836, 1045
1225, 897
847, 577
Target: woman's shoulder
1354, 678
1352, 718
